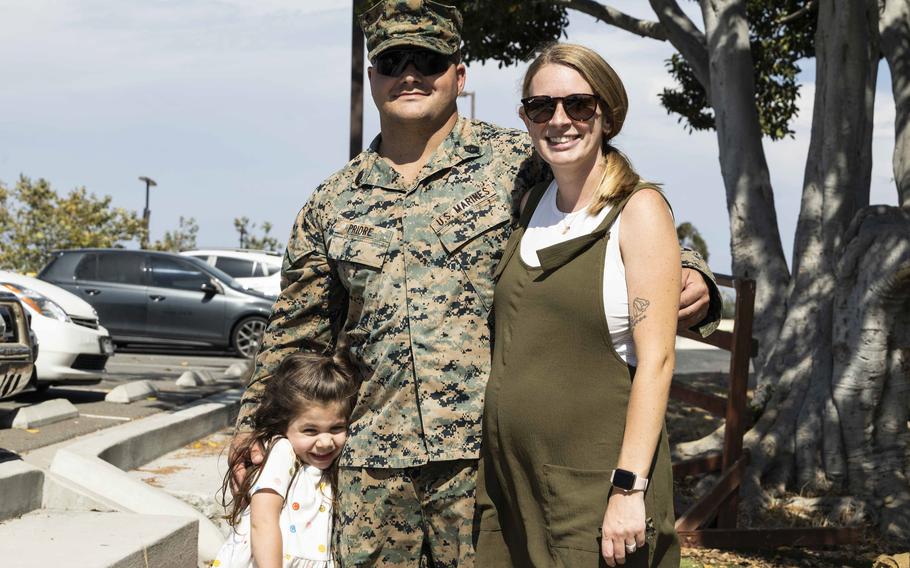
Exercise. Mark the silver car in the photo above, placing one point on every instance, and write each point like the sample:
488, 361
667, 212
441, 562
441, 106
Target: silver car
145, 297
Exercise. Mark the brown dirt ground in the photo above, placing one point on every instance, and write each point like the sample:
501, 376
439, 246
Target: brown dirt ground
686, 423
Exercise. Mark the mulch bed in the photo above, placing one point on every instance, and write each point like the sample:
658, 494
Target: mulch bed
686, 423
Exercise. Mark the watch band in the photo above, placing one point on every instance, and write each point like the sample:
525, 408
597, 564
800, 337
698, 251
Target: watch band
628, 481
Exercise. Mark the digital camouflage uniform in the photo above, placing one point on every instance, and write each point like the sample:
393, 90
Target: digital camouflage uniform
402, 276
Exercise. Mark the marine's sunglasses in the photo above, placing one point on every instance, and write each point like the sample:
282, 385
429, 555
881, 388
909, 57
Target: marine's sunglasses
578, 106
393, 62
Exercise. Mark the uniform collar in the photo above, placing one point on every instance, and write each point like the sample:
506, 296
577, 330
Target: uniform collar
462, 143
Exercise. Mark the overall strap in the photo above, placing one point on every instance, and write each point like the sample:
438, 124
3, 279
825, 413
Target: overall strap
535, 194
554, 256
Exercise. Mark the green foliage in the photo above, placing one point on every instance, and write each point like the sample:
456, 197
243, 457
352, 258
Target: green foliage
688, 100
776, 47
691, 238
252, 241
182, 238
35, 220
509, 31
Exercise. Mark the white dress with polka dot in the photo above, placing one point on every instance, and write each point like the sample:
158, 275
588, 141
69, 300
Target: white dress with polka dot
305, 519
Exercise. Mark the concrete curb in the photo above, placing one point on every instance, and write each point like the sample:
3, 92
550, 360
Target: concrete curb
91, 539
47, 412
129, 392
237, 370
22, 488
195, 378
99, 463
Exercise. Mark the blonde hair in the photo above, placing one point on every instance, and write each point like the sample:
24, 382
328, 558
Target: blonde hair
619, 177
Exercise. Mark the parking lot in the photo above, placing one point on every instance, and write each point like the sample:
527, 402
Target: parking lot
161, 369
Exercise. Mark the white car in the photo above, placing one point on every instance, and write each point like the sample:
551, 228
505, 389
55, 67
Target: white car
255, 269
75, 347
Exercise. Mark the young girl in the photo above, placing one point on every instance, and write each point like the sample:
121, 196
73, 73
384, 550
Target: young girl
282, 512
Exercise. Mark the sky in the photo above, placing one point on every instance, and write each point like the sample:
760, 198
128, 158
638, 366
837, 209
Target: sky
240, 108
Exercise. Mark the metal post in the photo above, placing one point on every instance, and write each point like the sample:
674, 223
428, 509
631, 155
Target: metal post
146, 213
356, 142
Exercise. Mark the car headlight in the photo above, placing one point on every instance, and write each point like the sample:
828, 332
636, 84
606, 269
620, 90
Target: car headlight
37, 301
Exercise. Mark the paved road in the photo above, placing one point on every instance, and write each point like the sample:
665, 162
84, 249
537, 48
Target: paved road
162, 369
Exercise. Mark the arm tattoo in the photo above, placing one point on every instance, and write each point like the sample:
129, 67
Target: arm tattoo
639, 306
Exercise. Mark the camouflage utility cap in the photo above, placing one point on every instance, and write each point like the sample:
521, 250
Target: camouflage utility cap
411, 23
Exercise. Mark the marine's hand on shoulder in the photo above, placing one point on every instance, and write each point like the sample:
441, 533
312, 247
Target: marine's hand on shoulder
694, 299
239, 469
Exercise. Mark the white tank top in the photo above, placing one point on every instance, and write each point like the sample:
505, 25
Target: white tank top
546, 229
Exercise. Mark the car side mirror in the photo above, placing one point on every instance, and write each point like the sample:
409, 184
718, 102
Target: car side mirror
211, 287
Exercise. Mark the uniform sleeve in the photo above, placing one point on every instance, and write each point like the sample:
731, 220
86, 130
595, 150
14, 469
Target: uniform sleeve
278, 470
311, 302
693, 260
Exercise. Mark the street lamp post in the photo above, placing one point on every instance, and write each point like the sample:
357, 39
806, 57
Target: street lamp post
146, 213
472, 95
356, 140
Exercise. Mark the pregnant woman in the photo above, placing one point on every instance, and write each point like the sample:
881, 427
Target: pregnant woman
575, 467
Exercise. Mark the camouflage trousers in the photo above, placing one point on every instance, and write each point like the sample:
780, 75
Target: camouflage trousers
412, 517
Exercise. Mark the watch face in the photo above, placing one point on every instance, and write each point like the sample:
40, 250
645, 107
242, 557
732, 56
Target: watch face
623, 479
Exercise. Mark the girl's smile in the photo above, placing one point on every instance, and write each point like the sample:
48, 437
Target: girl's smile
318, 434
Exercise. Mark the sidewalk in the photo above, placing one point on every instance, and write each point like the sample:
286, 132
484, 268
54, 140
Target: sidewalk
75, 499
193, 474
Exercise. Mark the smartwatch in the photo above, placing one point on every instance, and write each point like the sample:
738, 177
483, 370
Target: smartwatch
628, 481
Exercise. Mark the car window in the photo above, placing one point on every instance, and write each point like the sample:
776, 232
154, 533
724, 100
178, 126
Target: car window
272, 269
87, 269
173, 273
63, 266
118, 267
236, 267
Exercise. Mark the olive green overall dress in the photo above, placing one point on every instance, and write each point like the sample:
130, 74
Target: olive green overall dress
555, 414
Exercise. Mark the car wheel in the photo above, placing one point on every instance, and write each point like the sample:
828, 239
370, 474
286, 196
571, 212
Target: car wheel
247, 335
33, 382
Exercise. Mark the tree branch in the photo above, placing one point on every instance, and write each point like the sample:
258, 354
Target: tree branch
808, 7
616, 18
686, 38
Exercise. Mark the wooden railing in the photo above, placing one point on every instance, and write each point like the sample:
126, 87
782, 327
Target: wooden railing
712, 520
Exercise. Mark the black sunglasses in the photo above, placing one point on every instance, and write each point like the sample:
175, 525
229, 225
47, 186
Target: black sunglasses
578, 107
393, 62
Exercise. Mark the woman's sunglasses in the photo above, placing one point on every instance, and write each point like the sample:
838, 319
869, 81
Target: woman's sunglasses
393, 62
578, 107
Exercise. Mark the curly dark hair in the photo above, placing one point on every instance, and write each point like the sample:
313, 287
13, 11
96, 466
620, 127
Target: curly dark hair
300, 380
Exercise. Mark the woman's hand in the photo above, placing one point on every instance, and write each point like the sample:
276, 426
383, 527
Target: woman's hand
623, 526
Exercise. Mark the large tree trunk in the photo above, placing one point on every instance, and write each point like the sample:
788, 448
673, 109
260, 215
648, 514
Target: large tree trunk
871, 386
754, 235
895, 33
802, 440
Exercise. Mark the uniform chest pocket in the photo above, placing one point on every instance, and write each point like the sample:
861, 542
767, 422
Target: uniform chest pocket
359, 252
474, 241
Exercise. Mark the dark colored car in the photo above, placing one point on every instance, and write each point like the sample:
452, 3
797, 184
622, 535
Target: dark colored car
162, 298
18, 350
